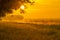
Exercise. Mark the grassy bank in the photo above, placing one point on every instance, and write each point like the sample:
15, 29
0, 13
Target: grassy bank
21, 31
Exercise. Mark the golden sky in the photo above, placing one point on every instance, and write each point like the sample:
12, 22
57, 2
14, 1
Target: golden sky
43, 9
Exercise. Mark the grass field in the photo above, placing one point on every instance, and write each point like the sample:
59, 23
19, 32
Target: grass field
26, 31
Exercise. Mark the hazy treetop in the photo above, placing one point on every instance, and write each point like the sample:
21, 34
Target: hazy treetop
6, 6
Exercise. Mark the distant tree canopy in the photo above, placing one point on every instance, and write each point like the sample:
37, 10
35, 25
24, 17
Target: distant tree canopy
6, 6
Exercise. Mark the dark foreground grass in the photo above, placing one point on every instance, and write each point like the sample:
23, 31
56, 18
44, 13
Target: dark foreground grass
13, 31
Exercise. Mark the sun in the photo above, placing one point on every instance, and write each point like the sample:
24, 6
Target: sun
22, 7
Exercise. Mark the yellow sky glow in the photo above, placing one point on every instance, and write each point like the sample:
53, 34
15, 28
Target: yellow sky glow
43, 9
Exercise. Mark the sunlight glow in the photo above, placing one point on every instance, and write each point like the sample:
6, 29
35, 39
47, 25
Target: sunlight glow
22, 7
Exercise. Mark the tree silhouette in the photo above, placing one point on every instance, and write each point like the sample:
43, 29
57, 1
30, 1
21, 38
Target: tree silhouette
6, 6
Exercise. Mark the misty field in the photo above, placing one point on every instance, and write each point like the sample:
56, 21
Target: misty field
26, 31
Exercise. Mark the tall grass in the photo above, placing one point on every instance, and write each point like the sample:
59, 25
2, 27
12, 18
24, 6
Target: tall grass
14, 31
